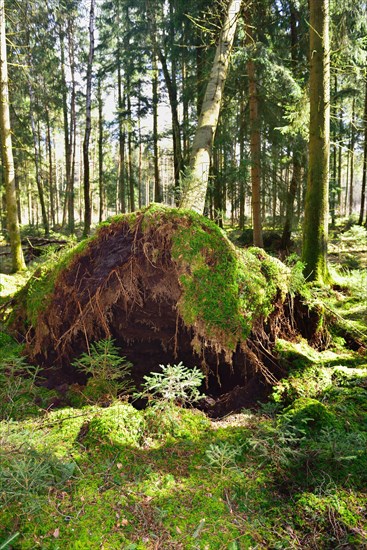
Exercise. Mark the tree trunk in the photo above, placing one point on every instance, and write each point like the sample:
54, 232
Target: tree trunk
100, 152
242, 173
140, 160
200, 90
363, 191
130, 151
50, 168
121, 116
255, 147
66, 124
351, 169
291, 196
296, 175
37, 156
70, 139
176, 131
333, 193
88, 126
18, 262
185, 97
315, 236
155, 84
196, 182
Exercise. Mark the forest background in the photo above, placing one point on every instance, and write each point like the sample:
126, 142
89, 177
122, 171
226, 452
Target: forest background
105, 99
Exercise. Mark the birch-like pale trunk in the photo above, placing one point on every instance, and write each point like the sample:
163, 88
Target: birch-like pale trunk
196, 183
18, 262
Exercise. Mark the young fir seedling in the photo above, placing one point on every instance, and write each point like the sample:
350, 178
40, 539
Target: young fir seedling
176, 384
110, 374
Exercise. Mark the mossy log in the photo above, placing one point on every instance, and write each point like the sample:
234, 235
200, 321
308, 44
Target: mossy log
167, 285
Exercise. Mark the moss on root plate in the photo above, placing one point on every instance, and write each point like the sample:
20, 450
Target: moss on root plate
166, 277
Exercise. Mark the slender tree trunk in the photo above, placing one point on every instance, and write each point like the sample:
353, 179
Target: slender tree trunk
121, 117
351, 169
242, 173
130, 151
18, 262
185, 97
17, 192
176, 131
315, 236
347, 182
291, 196
37, 156
196, 182
88, 126
340, 149
217, 189
100, 152
66, 124
155, 84
50, 168
334, 179
255, 146
70, 139
364, 177
140, 160
170, 80
296, 175
200, 89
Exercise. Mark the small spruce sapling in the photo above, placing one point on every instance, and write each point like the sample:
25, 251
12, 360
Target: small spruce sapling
175, 385
110, 374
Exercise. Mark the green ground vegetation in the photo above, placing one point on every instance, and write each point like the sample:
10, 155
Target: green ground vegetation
83, 473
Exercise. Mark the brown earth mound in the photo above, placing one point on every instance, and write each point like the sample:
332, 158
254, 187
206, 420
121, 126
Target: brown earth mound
127, 285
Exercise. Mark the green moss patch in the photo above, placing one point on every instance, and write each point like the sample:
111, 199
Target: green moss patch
306, 414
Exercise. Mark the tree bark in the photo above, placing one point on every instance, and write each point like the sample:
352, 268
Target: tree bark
364, 177
100, 152
315, 236
155, 84
176, 131
196, 181
122, 137
242, 172
37, 156
351, 168
291, 196
18, 262
255, 147
296, 175
69, 130
88, 125
66, 124
50, 169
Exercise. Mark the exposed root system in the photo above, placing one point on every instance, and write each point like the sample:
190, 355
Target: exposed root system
127, 285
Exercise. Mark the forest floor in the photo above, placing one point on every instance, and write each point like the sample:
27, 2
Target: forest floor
290, 474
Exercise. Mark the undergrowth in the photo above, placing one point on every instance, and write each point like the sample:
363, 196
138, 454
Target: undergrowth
292, 475
102, 474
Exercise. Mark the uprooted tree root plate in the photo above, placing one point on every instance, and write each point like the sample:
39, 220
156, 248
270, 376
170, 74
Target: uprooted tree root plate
166, 285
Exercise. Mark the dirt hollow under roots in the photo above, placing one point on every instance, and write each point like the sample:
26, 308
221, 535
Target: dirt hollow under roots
126, 285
